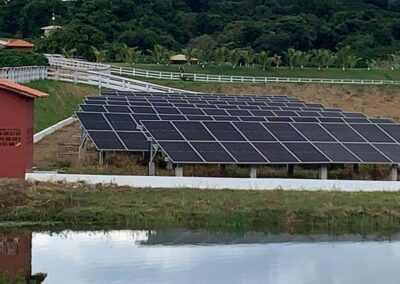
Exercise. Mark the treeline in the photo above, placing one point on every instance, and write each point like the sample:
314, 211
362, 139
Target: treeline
343, 58
370, 27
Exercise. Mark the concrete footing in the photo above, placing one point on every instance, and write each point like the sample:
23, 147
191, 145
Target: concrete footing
102, 158
323, 172
393, 175
179, 171
152, 169
253, 172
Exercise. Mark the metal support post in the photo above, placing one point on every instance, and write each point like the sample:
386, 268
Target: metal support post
253, 172
323, 172
179, 171
394, 170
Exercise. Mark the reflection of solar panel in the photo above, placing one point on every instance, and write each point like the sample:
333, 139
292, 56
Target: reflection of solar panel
220, 129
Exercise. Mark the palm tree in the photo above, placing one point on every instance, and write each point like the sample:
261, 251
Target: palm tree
329, 58
394, 60
343, 55
248, 56
352, 60
220, 55
132, 55
319, 57
100, 54
68, 53
277, 60
291, 56
202, 56
303, 58
188, 52
234, 57
264, 59
157, 53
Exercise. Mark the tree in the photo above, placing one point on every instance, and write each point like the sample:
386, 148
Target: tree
352, 60
343, 55
303, 58
220, 55
320, 57
68, 53
131, 55
248, 56
158, 53
264, 59
234, 57
188, 52
277, 60
394, 60
291, 56
201, 55
100, 54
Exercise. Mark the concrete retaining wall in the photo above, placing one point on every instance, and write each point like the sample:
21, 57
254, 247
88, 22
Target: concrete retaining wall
40, 135
220, 183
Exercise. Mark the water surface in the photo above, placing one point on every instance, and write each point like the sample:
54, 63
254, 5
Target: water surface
209, 257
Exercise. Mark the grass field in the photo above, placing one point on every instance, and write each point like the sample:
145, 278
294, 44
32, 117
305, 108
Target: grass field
80, 205
62, 102
332, 73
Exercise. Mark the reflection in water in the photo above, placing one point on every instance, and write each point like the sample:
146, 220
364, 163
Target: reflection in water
16, 256
204, 257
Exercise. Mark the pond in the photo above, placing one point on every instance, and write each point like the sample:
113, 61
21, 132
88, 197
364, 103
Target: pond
181, 256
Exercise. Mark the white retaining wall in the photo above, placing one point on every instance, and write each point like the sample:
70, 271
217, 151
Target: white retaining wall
220, 183
40, 135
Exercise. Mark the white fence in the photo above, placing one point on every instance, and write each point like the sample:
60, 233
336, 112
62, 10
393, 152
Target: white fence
103, 80
240, 79
24, 75
60, 61
220, 183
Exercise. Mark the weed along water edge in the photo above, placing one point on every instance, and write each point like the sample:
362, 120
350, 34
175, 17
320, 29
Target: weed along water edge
84, 206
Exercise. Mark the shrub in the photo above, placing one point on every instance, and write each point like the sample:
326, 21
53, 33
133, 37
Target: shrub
11, 58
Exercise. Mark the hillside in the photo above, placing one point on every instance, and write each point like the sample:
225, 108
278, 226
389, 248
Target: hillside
62, 102
370, 27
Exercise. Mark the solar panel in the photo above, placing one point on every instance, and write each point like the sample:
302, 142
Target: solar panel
216, 128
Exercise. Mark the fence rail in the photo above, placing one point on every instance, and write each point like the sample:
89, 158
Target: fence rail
104, 80
24, 75
141, 73
60, 61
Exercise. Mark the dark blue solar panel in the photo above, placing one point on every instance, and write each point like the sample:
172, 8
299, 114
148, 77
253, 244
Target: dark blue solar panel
366, 153
244, 152
194, 131
313, 132
343, 132
224, 131
254, 131
93, 121
306, 152
212, 152
180, 152
275, 153
162, 130
121, 121
337, 153
134, 141
106, 140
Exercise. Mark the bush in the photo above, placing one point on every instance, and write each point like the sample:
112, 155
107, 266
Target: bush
11, 58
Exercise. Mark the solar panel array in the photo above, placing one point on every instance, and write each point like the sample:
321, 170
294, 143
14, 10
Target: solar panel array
216, 128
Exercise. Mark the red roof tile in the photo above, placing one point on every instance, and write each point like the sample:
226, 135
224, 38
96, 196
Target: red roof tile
19, 43
20, 89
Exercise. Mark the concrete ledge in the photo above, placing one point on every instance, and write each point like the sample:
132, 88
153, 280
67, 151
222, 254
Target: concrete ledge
220, 183
40, 135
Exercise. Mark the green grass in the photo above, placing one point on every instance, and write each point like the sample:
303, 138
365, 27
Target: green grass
63, 101
80, 205
332, 73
